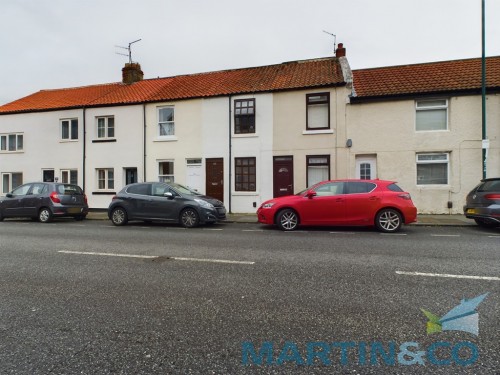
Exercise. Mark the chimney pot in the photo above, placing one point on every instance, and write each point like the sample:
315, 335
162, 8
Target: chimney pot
340, 51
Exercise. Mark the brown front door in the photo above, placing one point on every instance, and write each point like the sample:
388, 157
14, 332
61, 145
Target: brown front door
282, 176
215, 178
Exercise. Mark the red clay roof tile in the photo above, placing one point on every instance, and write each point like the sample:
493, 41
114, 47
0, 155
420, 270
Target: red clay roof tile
436, 77
286, 76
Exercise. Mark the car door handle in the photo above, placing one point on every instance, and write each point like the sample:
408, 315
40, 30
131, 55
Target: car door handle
373, 198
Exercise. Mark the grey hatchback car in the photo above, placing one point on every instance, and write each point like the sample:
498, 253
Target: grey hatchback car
44, 201
483, 203
167, 202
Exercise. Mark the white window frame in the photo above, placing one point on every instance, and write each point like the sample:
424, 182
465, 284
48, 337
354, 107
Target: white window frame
423, 105
5, 142
170, 177
72, 137
169, 134
67, 174
106, 127
107, 177
10, 187
422, 161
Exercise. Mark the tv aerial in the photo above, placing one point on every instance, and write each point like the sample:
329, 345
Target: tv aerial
334, 40
129, 49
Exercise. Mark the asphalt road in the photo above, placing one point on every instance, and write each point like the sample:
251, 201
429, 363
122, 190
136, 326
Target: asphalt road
90, 298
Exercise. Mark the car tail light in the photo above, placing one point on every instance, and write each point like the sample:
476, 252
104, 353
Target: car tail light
493, 197
114, 197
85, 198
55, 197
405, 196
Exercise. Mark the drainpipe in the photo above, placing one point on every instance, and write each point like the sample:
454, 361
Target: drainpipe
84, 149
230, 155
144, 143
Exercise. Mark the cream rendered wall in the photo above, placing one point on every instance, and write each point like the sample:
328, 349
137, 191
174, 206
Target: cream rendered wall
186, 144
126, 152
42, 144
387, 130
291, 138
215, 137
258, 145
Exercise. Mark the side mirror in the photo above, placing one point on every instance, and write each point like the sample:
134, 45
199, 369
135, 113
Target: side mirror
9, 195
168, 195
310, 194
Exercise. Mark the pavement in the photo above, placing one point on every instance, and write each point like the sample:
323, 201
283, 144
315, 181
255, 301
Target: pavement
422, 219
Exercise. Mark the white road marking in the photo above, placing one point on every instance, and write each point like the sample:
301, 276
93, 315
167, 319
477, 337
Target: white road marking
253, 230
342, 232
156, 256
393, 234
108, 254
494, 236
490, 278
212, 229
445, 235
213, 260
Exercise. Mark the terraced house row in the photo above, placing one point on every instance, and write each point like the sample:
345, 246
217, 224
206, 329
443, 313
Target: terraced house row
246, 135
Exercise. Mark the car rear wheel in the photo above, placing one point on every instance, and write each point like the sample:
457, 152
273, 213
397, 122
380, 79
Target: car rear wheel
388, 220
486, 223
80, 217
44, 215
1, 217
288, 220
189, 218
119, 216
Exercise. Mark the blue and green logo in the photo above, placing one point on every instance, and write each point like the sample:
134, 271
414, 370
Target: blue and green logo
462, 317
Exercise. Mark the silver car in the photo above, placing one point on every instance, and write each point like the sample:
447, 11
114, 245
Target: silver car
167, 202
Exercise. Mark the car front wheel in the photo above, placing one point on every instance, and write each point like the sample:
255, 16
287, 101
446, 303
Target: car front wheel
44, 216
189, 218
288, 220
388, 220
119, 216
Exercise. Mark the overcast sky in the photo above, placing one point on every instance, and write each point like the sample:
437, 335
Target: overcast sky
48, 44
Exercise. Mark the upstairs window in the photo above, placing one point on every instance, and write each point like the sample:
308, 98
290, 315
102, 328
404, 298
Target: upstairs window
244, 116
318, 111
69, 129
431, 115
166, 124
11, 142
105, 127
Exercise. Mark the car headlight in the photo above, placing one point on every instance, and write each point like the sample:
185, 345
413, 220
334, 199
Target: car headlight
204, 204
268, 205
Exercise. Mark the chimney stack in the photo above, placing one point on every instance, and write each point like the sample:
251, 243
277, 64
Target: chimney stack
340, 51
131, 73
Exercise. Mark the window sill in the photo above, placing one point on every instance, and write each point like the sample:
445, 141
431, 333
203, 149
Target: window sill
246, 135
104, 140
166, 138
322, 131
103, 192
245, 193
68, 140
12, 152
434, 186
433, 131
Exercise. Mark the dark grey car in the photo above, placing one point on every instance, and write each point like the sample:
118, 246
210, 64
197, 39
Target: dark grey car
483, 203
44, 201
169, 202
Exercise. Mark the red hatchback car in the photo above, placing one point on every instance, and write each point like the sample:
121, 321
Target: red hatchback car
378, 203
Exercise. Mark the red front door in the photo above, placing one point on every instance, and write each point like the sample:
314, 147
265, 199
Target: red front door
215, 178
282, 176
